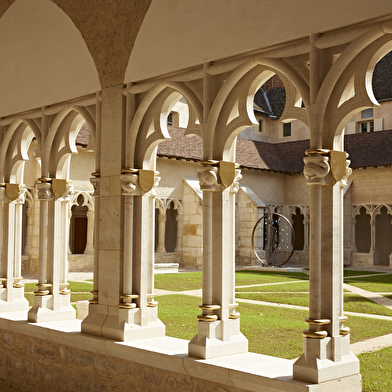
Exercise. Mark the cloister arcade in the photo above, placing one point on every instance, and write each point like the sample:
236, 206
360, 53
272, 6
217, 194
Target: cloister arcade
326, 73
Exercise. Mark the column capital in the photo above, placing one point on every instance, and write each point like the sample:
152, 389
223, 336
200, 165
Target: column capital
316, 166
219, 175
139, 182
96, 183
44, 191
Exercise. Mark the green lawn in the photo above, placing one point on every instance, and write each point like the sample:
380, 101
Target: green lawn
377, 284
270, 330
376, 368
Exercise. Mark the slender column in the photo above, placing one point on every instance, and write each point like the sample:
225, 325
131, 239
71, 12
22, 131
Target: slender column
306, 232
95, 181
90, 233
18, 236
354, 239
179, 219
29, 236
65, 202
375, 257
161, 233
52, 300
137, 307
218, 331
327, 341
11, 291
373, 235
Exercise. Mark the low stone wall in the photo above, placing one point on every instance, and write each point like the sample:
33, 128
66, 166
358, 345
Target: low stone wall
80, 263
361, 259
56, 357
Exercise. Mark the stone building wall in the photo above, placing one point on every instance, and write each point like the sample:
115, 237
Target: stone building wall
192, 243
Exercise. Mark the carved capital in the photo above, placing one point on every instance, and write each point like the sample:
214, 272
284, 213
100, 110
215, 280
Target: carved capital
136, 182
44, 191
235, 185
208, 177
316, 168
129, 183
161, 218
96, 182
22, 193
69, 192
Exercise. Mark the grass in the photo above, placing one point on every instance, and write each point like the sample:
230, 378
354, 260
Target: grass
348, 273
376, 284
79, 291
270, 330
375, 369
279, 287
179, 282
243, 278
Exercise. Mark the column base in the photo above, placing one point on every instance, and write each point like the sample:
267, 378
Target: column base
218, 338
51, 308
123, 324
317, 366
15, 301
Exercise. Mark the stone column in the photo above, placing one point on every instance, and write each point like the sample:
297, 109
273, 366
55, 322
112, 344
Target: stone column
375, 257
161, 233
218, 327
124, 307
11, 291
137, 308
51, 300
29, 236
327, 354
18, 236
90, 233
179, 219
65, 223
306, 232
354, 242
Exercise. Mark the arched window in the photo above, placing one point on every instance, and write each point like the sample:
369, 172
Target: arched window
298, 225
171, 228
78, 227
362, 231
383, 236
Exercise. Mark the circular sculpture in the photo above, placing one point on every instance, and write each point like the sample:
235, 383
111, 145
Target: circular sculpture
273, 240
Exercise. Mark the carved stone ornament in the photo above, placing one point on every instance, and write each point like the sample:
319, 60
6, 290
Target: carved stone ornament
95, 182
338, 164
226, 173
12, 191
129, 183
44, 191
236, 186
146, 180
316, 168
22, 193
208, 176
70, 191
59, 187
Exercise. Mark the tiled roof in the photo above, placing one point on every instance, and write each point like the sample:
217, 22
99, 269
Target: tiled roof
365, 149
369, 148
382, 78
83, 135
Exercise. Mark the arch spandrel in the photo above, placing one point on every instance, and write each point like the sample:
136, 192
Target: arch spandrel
46, 57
